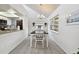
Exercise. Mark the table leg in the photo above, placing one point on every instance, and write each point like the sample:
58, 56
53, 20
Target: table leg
47, 40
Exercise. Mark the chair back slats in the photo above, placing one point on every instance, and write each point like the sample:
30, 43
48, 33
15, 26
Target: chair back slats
39, 34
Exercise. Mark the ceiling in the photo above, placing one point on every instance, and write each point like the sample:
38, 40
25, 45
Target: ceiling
4, 7
44, 9
8, 11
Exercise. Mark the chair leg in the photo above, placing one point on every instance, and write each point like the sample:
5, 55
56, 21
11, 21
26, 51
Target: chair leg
35, 43
47, 41
30, 42
43, 44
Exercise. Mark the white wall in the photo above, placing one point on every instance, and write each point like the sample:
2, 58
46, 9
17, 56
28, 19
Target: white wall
9, 41
25, 25
32, 16
68, 36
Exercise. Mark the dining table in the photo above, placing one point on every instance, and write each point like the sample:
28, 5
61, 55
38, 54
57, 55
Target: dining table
33, 33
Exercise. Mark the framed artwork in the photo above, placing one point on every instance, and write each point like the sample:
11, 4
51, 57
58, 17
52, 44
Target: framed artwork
73, 18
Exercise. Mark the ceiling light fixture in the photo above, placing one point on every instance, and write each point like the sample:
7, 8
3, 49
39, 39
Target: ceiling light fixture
40, 16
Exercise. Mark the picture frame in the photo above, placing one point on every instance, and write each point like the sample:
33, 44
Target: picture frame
73, 18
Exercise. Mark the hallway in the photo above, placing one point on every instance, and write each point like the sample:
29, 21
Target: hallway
24, 48
59, 23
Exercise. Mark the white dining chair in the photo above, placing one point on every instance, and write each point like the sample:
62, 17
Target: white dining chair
39, 37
